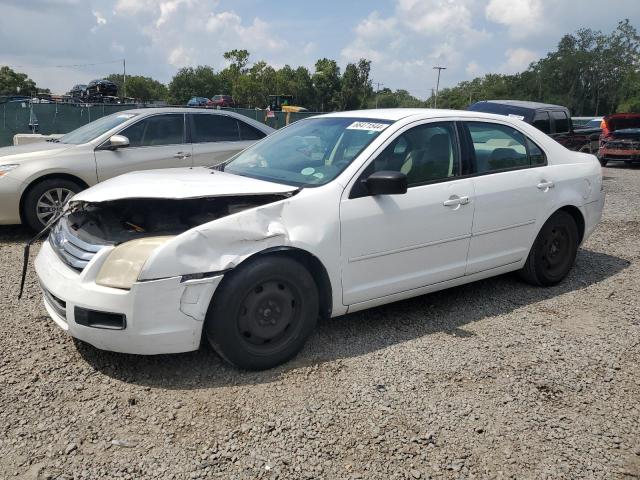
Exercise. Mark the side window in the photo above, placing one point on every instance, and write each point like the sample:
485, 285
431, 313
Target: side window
536, 155
425, 153
561, 122
497, 147
207, 127
156, 130
247, 132
541, 122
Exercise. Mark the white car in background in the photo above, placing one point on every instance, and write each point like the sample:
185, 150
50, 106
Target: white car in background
36, 180
330, 215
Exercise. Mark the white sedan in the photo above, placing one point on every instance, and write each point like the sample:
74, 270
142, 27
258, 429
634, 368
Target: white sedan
37, 179
333, 214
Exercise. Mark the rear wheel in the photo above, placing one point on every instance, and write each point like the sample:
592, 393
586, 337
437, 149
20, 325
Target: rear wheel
46, 200
603, 162
554, 251
263, 313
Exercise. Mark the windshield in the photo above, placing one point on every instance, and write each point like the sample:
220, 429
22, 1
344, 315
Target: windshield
595, 123
309, 152
92, 130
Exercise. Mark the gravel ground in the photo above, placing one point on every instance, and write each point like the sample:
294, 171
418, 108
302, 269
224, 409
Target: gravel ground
490, 380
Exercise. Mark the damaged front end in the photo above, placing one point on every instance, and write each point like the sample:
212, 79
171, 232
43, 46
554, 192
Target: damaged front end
88, 227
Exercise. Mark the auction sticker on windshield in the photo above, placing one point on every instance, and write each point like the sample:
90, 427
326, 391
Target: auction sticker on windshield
369, 126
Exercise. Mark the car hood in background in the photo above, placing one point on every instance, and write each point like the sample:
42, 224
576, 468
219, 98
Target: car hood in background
178, 183
31, 151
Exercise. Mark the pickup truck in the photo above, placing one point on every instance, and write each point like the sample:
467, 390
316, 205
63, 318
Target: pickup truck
554, 120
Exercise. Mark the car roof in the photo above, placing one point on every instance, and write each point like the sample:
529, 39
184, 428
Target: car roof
524, 104
395, 114
177, 110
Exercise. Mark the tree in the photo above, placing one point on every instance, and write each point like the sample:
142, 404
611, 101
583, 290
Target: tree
12, 83
326, 81
189, 82
139, 87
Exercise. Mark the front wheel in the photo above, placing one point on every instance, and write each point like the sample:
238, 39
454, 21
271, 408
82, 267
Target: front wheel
554, 251
263, 313
46, 200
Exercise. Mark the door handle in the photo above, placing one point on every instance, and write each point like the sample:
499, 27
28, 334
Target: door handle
455, 201
182, 155
544, 185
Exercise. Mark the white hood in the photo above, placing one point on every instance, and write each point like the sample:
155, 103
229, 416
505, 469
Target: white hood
31, 151
177, 183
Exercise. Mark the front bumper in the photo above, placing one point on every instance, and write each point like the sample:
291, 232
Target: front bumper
162, 316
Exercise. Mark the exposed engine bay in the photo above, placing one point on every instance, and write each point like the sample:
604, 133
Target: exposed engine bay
118, 221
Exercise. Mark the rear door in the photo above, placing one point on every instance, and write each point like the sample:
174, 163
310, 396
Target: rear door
156, 141
217, 137
513, 189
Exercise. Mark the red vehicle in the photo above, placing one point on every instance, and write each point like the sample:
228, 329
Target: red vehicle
620, 138
224, 101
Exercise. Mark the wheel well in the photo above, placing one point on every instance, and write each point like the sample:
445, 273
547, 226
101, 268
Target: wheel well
50, 176
579, 219
315, 267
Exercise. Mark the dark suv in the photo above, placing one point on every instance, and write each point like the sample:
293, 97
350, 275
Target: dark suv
554, 120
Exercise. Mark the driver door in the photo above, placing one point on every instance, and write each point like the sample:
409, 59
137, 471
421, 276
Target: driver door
396, 243
156, 141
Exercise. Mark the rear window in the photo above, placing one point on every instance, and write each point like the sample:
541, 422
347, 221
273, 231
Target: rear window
247, 132
561, 121
542, 122
213, 128
500, 147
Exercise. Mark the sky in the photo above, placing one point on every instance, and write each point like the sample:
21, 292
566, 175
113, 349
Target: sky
60, 43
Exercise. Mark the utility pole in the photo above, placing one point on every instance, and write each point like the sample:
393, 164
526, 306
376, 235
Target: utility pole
432, 90
124, 80
378, 90
439, 68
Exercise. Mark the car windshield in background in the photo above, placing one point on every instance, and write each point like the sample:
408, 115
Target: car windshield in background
309, 152
92, 130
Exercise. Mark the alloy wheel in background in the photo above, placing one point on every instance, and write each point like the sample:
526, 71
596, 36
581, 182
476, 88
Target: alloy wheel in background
51, 203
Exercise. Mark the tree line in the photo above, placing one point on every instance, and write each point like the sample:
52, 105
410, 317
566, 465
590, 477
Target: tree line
591, 72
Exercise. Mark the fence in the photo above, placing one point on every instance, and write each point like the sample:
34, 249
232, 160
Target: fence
48, 118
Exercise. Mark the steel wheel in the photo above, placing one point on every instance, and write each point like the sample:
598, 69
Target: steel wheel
555, 250
262, 312
269, 316
51, 203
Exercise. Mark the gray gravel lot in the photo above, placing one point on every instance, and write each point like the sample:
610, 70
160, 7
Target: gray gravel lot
491, 380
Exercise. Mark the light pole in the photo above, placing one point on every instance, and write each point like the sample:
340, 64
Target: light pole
439, 68
377, 91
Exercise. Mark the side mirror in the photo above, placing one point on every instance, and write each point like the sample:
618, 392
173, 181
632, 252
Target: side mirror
386, 183
117, 141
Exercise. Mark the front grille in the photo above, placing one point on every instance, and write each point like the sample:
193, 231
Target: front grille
72, 250
59, 306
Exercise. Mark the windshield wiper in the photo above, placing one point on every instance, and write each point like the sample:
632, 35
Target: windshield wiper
53, 140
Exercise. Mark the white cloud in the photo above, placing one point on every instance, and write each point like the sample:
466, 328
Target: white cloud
522, 17
518, 59
404, 47
473, 69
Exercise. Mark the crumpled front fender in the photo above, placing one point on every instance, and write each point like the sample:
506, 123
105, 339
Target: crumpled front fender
219, 245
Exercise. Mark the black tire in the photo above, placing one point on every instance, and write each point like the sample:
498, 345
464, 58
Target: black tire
262, 313
603, 162
32, 209
554, 251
